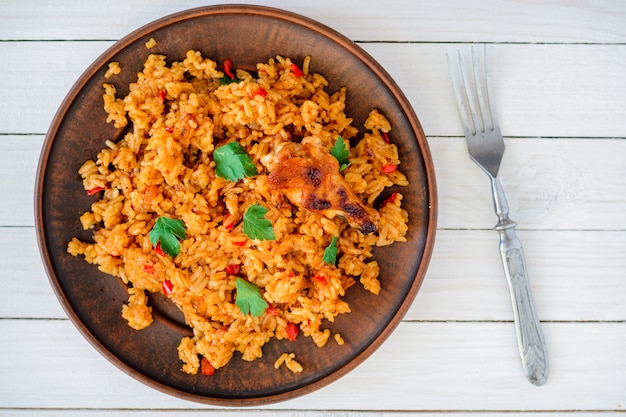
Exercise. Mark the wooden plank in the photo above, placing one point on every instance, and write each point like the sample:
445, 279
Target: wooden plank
562, 184
48, 84
397, 20
551, 184
27, 291
534, 95
433, 366
19, 155
291, 413
575, 276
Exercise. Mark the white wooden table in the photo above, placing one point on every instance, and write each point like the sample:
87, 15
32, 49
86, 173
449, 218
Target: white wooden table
559, 74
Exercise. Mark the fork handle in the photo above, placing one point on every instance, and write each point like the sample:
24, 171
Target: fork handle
530, 339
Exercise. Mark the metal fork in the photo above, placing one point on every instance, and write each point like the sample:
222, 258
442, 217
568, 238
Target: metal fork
486, 147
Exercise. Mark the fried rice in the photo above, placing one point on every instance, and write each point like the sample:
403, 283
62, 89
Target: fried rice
176, 116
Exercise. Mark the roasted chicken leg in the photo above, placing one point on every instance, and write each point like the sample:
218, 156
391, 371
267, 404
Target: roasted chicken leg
309, 177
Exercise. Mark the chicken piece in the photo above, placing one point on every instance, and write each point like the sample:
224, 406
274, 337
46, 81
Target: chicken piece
309, 177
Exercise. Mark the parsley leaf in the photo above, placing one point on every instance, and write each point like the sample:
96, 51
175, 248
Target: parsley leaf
232, 162
255, 225
341, 153
167, 232
249, 298
225, 80
330, 253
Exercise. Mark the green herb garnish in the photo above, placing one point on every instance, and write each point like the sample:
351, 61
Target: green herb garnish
341, 153
233, 163
249, 298
255, 225
167, 232
225, 80
330, 253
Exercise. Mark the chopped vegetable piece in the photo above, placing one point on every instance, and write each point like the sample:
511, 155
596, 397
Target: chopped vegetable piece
233, 269
330, 253
165, 235
341, 153
271, 310
167, 287
320, 278
387, 169
159, 251
261, 92
229, 221
255, 225
225, 80
229, 76
228, 68
232, 162
386, 137
249, 298
206, 367
95, 190
162, 95
296, 71
149, 269
169, 129
390, 200
292, 331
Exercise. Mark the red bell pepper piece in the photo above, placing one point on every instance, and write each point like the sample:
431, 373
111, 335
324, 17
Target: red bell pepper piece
95, 190
158, 249
389, 168
261, 92
271, 310
320, 278
296, 71
292, 331
390, 199
228, 224
233, 269
228, 68
206, 367
168, 287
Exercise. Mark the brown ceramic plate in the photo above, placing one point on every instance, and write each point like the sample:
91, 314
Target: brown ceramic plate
93, 300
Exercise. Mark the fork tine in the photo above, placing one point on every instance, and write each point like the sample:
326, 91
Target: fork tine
484, 99
459, 85
468, 73
470, 77
477, 114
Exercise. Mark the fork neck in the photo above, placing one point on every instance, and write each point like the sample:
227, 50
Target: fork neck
500, 205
